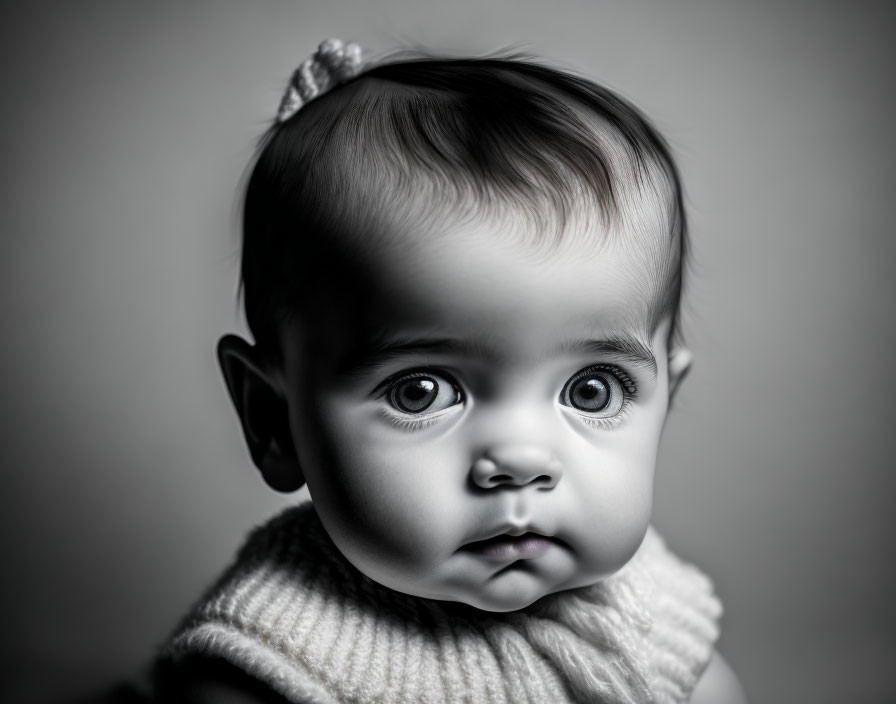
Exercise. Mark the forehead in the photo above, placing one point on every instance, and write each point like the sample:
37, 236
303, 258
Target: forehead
475, 281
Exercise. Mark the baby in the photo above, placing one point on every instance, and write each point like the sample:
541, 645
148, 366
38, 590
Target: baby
463, 279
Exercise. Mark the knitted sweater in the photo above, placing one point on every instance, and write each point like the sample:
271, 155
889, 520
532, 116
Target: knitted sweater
292, 612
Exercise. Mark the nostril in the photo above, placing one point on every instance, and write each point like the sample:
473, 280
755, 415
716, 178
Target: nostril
516, 467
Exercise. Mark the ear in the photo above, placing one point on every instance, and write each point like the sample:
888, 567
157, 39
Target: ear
263, 413
679, 366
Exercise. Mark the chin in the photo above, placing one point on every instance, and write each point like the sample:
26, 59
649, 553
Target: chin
502, 608
504, 598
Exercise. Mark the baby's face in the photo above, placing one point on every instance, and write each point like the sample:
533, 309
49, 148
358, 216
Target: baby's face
477, 423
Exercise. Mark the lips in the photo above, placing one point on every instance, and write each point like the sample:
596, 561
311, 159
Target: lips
501, 548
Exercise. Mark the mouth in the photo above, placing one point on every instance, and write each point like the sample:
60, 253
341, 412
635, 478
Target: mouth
502, 548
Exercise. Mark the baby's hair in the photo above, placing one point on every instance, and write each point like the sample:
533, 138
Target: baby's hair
417, 140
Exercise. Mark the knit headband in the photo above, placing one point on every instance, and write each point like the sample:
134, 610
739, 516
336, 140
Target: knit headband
333, 63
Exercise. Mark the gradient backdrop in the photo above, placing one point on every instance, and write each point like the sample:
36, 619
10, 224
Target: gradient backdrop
125, 130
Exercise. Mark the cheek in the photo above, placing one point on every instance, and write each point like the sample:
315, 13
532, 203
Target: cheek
612, 476
386, 491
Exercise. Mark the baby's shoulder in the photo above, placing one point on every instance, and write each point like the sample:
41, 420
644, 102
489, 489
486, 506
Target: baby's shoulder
718, 685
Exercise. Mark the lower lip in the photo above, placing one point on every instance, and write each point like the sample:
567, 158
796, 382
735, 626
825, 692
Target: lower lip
508, 547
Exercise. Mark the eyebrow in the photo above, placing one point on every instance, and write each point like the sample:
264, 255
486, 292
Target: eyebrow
623, 346
377, 354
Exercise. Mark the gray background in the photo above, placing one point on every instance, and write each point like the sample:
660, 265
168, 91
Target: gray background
125, 131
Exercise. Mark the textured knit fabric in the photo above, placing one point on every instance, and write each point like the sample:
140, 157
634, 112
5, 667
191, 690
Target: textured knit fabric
295, 614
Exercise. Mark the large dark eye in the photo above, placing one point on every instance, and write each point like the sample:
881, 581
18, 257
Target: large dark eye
423, 392
590, 394
596, 392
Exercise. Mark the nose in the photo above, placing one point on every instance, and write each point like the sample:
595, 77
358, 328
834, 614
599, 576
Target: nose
516, 466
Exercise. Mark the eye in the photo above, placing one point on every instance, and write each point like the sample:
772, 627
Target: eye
598, 391
423, 393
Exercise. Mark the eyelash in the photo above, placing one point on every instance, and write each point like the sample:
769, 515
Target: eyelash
629, 394
408, 422
606, 423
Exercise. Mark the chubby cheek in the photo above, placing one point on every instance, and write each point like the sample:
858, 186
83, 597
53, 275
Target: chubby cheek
616, 518
387, 496
613, 480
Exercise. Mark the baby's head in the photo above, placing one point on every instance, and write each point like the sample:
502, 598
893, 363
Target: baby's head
463, 279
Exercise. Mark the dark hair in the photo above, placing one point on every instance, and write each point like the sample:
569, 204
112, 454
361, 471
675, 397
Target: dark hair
482, 132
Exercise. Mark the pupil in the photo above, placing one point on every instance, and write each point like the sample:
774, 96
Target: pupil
590, 394
416, 395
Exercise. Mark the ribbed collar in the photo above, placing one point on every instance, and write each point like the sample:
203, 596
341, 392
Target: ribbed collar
294, 613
